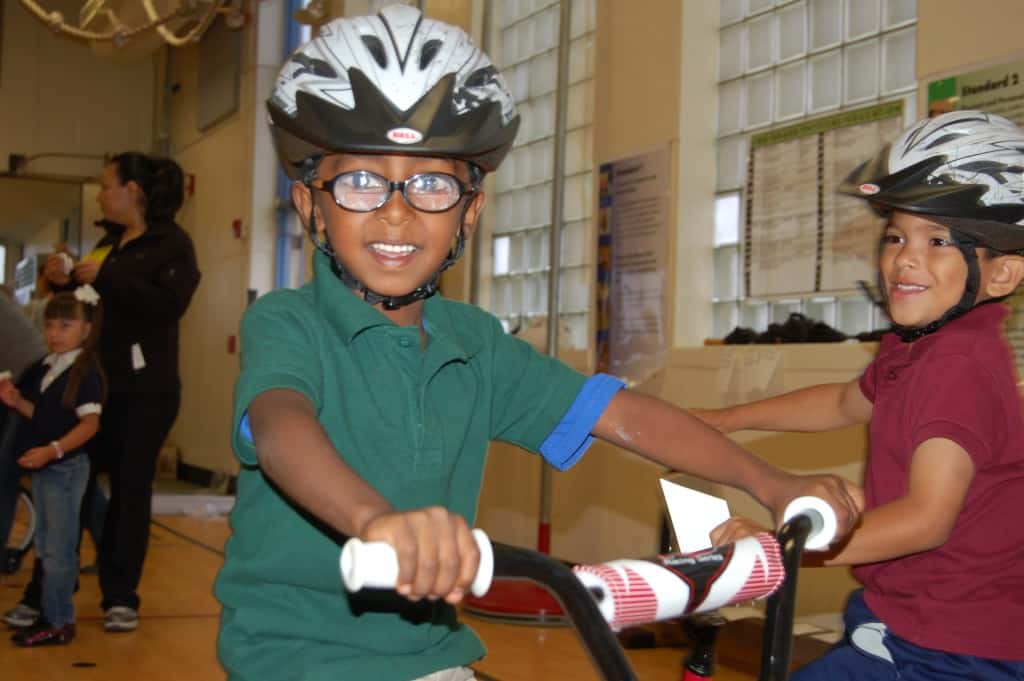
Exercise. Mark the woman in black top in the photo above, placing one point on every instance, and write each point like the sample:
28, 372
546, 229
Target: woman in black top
146, 279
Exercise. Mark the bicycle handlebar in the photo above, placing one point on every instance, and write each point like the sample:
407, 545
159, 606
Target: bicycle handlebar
586, 601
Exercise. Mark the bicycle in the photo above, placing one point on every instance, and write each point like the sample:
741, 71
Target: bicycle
585, 601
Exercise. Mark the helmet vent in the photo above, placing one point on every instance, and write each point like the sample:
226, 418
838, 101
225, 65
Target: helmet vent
945, 139
429, 51
376, 49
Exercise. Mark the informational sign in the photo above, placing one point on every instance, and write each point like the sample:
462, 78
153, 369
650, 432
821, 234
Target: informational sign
801, 237
631, 265
998, 90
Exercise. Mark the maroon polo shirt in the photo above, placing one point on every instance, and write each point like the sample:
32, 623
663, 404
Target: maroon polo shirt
959, 383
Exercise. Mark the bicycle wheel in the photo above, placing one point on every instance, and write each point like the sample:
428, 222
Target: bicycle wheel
22, 532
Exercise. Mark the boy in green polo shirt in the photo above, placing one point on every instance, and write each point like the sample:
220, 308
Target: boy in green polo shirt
366, 403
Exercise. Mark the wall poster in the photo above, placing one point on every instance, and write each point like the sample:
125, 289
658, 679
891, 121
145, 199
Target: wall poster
632, 256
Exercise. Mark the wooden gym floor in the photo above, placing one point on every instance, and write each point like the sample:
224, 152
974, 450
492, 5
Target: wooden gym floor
176, 639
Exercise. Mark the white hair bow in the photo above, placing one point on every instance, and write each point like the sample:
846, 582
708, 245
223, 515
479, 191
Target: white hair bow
87, 294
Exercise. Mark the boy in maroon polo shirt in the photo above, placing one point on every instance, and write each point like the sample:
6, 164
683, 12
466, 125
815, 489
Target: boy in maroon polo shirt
940, 548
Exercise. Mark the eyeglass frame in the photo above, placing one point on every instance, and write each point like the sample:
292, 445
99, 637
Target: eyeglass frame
328, 186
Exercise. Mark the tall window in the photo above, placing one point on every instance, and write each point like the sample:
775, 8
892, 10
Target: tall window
779, 62
525, 48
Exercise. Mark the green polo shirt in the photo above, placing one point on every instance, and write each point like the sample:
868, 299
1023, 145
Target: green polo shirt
415, 423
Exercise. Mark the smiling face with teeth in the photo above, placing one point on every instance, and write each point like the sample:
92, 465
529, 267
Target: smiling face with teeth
396, 248
925, 273
923, 270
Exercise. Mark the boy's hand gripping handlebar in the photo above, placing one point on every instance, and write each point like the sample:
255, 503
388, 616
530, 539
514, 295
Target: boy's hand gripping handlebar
375, 565
632, 592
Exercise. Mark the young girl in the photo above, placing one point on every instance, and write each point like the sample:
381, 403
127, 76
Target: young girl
61, 398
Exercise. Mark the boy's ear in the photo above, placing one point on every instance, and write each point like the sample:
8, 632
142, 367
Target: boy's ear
1006, 276
302, 199
476, 208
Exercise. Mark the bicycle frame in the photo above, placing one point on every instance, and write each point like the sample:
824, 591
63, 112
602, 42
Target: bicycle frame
601, 644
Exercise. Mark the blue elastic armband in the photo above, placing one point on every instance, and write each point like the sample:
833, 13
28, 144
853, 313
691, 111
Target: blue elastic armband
571, 437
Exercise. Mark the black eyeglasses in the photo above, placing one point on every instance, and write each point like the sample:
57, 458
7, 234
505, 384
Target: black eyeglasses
361, 191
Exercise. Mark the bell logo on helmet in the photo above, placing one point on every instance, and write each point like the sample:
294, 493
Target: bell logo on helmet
869, 189
405, 135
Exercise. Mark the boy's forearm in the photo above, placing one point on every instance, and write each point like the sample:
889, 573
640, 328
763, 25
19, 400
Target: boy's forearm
813, 409
295, 453
888, 532
661, 432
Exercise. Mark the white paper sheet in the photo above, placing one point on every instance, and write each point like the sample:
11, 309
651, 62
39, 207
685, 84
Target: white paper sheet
693, 514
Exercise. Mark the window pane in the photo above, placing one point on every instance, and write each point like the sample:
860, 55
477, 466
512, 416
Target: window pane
732, 162
759, 99
754, 315
755, 6
898, 66
821, 310
501, 247
730, 11
792, 31
826, 81
730, 52
781, 309
826, 20
855, 316
727, 219
730, 107
727, 273
898, 12
790, 91
860, 72
724, 318
760, 42
862, 18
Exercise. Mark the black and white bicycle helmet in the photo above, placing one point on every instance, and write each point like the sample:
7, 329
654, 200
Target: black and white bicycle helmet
964, 169
396, 83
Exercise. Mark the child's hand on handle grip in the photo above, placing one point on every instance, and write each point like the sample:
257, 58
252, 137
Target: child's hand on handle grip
845, 498
437, 555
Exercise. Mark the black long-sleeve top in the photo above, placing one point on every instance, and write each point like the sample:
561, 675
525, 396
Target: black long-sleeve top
145, 288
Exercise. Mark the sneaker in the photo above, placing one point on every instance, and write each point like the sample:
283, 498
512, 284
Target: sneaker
21, 616
121, 618
44, 634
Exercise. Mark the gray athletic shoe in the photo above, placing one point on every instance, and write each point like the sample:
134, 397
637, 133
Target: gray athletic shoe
21, 616
121, 618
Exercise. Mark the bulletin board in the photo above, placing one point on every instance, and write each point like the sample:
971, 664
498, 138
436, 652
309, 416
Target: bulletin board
800, 236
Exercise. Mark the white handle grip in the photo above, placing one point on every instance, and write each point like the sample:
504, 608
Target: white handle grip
374, 565
823, 521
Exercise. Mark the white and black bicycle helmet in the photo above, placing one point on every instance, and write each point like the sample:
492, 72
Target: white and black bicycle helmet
397, 83
965, 170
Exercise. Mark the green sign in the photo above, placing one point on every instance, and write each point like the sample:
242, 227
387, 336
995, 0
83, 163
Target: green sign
997, 90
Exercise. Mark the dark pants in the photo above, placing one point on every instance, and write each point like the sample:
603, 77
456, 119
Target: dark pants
132, 431
10, 472
910, 662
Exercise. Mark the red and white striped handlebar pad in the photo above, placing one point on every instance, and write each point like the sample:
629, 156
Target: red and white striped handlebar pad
633, 592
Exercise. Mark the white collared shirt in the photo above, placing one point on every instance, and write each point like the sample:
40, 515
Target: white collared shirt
59, 362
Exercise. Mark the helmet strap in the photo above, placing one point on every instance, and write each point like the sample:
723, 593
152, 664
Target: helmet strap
968, 300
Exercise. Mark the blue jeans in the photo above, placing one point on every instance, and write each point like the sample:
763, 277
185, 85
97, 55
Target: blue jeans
57, 493
909, 662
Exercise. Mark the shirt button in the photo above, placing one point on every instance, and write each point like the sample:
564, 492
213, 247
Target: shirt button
892, 375
404, 342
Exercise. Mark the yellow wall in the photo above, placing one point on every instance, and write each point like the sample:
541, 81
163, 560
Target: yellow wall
58, 96
221, 161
